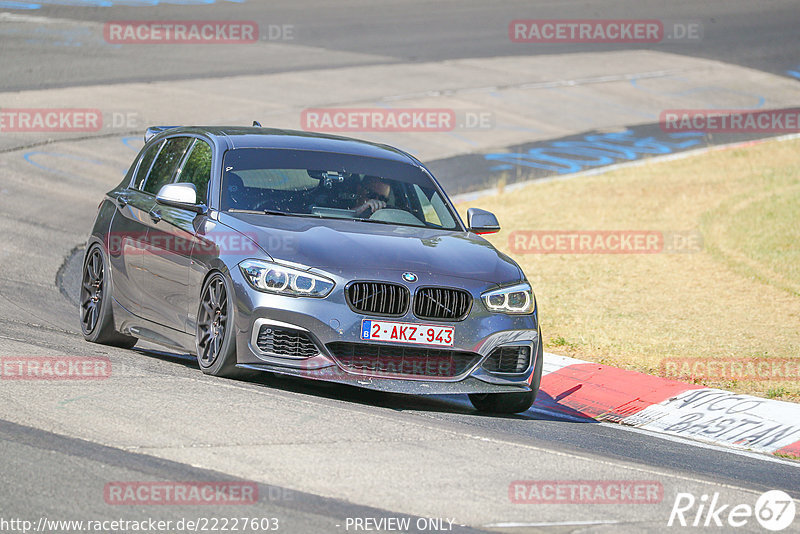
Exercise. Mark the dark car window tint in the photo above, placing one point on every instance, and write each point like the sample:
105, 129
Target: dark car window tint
167, 161
278, 179
197, 169
332, 185
144, 166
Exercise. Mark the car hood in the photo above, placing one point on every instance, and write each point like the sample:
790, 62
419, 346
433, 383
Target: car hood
353, 249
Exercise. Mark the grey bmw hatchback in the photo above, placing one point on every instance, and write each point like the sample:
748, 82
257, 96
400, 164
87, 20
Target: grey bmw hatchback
309, 255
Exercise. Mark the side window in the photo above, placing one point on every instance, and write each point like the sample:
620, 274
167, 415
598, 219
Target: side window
428, 210
167, 161
144, 166
197, 169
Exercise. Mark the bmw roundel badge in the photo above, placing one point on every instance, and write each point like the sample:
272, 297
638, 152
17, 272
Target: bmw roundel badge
409, 277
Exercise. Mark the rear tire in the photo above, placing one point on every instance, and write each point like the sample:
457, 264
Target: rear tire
215, 337
97, 320
502, 403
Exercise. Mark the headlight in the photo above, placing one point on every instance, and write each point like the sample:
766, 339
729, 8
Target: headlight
283, 280
514, 299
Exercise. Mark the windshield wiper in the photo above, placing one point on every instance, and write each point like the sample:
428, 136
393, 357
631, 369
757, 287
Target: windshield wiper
360, 219
289, 213
273, 212
377, 221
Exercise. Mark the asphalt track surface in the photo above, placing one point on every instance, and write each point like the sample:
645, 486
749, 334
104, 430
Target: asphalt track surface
320, 453
758, 35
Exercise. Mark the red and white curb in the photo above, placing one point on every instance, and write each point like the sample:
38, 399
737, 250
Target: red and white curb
580, 389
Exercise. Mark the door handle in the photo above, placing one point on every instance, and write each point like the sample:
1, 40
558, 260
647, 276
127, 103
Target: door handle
155, 215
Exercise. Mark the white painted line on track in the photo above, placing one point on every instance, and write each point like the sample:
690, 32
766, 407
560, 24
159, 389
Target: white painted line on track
535, 85
16, 17
763, 456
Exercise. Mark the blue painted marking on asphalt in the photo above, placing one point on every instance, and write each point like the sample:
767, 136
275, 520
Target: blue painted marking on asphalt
136, 139
11, 4
595, 150
678, 135
136, 3
30, 155
78, 3
19, 5
793, 73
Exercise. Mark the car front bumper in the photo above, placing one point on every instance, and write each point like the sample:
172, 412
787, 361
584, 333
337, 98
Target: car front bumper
330, 320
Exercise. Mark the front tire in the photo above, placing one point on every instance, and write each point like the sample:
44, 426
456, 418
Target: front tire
506, 403
215, 337
97, 320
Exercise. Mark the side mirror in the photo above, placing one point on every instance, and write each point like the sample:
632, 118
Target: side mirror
182, 196
482, 221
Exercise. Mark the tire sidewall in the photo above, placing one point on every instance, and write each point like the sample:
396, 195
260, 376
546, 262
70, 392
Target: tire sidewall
104, 317
225, 363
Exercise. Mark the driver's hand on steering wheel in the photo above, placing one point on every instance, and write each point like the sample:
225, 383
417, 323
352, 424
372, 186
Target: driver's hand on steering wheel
370, 206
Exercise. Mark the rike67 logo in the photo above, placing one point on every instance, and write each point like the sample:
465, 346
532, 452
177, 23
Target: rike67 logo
774, 511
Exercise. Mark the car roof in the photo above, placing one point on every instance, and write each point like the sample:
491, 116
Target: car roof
258, 137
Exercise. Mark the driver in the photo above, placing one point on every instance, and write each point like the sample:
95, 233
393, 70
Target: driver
372, 195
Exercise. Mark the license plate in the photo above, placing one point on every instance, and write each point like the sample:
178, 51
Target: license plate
424, 334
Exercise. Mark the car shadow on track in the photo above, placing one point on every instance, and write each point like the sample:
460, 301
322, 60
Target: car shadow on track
546, 407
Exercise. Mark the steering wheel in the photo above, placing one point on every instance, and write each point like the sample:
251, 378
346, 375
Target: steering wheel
395, 215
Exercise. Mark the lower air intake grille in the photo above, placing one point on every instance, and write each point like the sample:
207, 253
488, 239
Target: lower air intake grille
286, 342
405, 361
511, 360
378, 298
442, 303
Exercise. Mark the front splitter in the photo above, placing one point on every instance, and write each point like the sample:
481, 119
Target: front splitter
414, 386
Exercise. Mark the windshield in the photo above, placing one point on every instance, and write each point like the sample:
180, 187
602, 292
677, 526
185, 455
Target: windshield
329, 185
